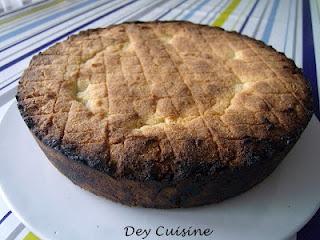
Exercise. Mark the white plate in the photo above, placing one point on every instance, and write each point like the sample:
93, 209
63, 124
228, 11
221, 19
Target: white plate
54, 208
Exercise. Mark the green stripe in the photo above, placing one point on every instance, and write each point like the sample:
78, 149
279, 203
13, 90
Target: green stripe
226, 13
29, 12
31, 236
241, 14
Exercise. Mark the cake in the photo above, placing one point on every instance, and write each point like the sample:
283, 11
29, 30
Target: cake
164, 114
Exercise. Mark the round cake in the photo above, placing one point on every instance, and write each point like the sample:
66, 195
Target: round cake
164, 114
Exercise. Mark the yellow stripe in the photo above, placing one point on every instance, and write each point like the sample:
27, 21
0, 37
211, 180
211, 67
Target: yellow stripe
241, 14
226, 13
29, 12
31, 236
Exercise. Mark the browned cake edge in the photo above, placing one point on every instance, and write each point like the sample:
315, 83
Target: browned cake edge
188, 192
208, 182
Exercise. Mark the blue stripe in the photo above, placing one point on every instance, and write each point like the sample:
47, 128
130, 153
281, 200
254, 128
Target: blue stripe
268, 29
192, 11
21, 9
249, 15
135, 16
55, 25
260, 21
287, 28
5, 216
211, 10
8, 84
179, 4
308, 56
190, 5
43, 20
28, 54
19, 77
16, 79
19, 73
36, 15
220, 9
295, 32
18, 229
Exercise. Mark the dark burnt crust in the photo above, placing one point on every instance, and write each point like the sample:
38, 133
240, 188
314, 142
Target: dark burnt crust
222, 182
173, 174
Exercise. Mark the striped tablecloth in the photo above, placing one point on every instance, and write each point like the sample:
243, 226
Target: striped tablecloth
290, 26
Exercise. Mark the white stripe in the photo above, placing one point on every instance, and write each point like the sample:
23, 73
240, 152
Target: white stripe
316, 36
36, 41
7, 94
15, 232
201, 13
9, 72
278, 33
254, 19
298, 50
135, 16
43, 26
289, 46
119, 15
8, 80
24, 49
160, 10
23, 233
14, 24
17, 11
155, 14
213, 12
264, 21
235, 15
210, 6
182, 9
243, 18
3, 207
8, 226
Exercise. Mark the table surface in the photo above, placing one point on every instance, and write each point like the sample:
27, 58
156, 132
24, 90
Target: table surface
290, 26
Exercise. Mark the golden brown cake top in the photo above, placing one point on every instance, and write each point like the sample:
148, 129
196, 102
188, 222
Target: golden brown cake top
140, 99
